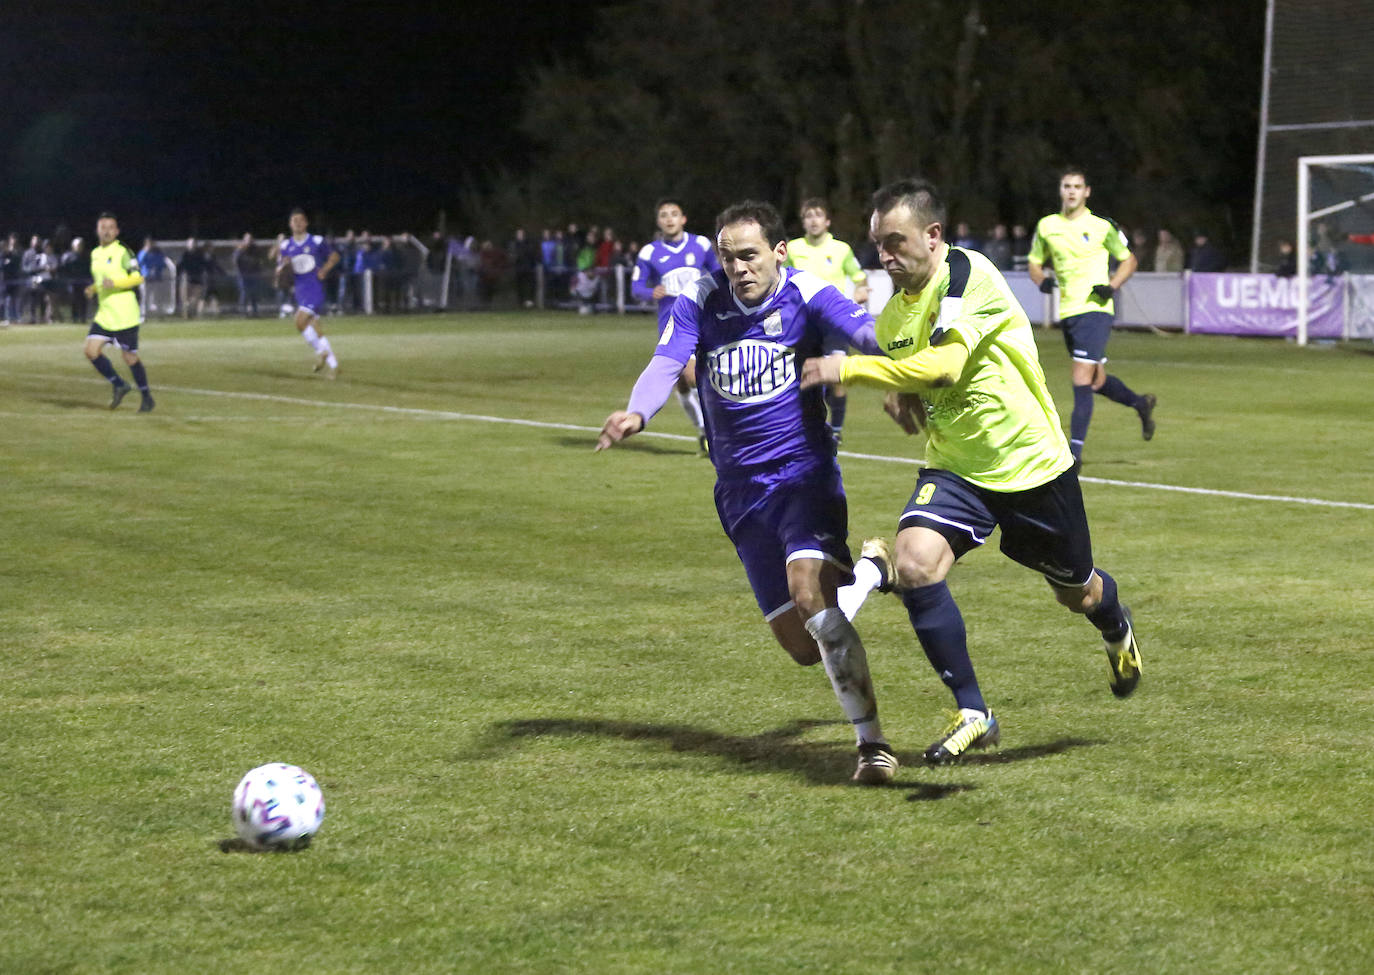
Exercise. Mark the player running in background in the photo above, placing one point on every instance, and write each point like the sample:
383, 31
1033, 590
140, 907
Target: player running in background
311, 259
115, 278
663, 271
956, 337
834, 262
778, 489
1078, 242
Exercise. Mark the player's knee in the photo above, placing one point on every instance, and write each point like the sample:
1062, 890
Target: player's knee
916, 568
807, 654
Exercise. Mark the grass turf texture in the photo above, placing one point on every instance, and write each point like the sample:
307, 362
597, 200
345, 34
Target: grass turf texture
552, 731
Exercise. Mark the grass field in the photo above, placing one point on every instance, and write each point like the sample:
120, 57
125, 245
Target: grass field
554, 734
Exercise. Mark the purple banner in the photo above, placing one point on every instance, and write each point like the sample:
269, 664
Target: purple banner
1262, 304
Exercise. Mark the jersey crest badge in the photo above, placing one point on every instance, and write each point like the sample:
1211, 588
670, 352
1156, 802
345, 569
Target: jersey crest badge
772, 325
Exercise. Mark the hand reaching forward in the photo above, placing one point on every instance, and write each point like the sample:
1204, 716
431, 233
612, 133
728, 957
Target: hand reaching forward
618, 426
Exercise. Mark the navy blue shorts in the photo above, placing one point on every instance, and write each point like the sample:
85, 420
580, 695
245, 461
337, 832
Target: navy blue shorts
796, 512
1086, 335
125, 338
1045, 528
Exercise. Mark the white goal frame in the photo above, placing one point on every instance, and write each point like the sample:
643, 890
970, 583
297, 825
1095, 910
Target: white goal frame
1306, 215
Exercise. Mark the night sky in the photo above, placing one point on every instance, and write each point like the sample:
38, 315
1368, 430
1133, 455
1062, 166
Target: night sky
215, 118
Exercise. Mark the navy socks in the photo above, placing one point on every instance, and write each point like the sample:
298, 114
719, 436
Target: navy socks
940, 627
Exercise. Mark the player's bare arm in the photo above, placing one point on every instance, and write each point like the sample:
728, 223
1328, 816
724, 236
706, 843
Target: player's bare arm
618, 426
821, 371
906, 410
1124, 270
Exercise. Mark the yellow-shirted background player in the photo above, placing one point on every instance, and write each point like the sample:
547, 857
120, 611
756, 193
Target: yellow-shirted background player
832, 260
115, 278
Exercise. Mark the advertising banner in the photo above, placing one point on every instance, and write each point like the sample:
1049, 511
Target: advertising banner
1262, 304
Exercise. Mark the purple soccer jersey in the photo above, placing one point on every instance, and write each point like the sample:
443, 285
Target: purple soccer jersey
749, 366
307, 257
675, 266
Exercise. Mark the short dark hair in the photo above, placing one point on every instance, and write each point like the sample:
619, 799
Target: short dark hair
663, 201
919, 195
300, 210
107, 215
1073, 169
813, 203
764, 214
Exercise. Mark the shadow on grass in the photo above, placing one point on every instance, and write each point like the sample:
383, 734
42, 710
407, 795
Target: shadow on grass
818, 763
644, 446
71, 403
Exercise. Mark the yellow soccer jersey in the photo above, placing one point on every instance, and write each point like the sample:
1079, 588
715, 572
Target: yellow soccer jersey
996, 427
831, 260
1079, 249
119, 308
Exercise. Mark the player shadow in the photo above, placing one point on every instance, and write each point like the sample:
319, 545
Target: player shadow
71, 403
644, 446
817, 763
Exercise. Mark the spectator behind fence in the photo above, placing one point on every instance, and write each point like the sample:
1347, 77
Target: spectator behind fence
191, 273
998, 248
152, 263
12, 263
524, 257
963, 237
347, 248
1205, 257
248, 275
1169, 257
45, 282
491, 269
1288, 260
30, 263
74, 273
1020, 247
1141, 247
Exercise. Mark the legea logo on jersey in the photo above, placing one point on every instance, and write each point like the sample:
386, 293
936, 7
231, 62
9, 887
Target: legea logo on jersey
751, 370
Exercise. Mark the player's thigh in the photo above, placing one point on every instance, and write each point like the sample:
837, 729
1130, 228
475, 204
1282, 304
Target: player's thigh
93, 344
1086, 337
945, 518
1046, 529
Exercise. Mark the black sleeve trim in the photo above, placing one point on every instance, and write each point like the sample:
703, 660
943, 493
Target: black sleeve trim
959, 270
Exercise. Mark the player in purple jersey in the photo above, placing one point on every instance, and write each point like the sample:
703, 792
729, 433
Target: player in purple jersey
311, 259
778, 489
663, 270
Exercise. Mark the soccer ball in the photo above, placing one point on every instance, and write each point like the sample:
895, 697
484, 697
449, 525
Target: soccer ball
278, 807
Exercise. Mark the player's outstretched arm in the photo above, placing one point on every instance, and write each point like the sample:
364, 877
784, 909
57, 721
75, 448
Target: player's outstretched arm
618, 426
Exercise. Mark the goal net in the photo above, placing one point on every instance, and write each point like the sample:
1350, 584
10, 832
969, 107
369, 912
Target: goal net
1317, 99
1335, 247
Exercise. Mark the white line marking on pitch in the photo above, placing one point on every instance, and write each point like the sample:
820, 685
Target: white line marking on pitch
546, 425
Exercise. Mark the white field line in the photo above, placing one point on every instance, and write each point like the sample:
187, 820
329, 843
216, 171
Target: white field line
546, 425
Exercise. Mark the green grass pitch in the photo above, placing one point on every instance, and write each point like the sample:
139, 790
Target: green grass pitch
552, 731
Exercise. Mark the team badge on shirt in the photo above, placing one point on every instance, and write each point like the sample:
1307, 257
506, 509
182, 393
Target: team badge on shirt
772, 325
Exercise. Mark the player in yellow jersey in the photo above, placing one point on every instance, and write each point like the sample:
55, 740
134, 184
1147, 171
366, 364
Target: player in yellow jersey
834, 262
961, 364
115, 278
1078, 243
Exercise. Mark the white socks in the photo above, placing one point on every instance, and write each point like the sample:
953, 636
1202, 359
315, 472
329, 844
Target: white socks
846, 663
691, 405
320, 344
866, 579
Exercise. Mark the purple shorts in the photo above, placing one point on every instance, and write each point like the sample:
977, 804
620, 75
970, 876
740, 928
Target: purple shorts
797, 511
311, 298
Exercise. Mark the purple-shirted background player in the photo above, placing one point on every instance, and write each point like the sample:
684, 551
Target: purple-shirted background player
311, 260
778, 488
663, 270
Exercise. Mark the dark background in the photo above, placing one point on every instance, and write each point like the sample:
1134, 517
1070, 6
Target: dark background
215, 118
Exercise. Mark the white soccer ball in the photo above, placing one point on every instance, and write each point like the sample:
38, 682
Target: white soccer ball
278, 807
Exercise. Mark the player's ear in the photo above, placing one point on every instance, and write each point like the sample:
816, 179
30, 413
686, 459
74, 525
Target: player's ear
935, 233
780, 249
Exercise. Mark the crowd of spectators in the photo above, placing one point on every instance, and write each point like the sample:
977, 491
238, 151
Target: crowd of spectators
45, 281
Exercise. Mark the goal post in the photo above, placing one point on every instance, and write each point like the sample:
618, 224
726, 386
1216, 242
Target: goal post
1335, 216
